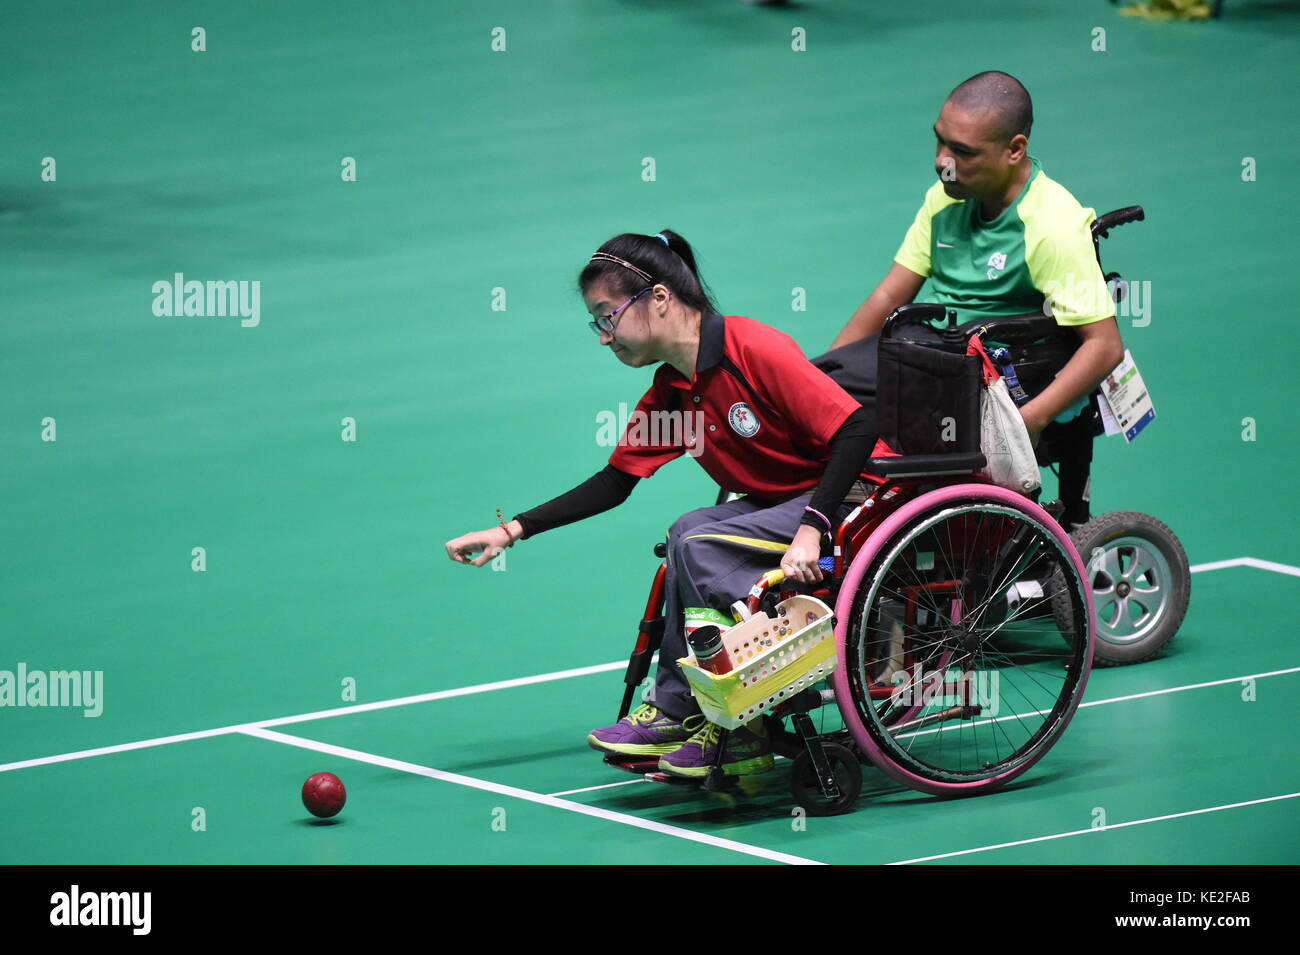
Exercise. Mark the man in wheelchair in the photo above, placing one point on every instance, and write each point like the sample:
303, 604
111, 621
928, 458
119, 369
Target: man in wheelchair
999, 240
1010, 254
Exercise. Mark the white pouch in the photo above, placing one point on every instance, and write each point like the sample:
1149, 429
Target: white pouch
1004, 439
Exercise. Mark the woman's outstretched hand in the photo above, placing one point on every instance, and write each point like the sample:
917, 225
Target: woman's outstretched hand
800, 561
486, 544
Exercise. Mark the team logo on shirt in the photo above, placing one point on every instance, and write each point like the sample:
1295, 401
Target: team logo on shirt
743, 420
997, 262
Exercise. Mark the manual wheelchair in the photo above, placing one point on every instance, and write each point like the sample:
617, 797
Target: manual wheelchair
964, 622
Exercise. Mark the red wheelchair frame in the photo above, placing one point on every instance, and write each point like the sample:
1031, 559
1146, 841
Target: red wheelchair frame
826, 775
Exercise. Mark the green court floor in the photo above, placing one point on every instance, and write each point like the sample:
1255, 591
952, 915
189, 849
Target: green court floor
328, 602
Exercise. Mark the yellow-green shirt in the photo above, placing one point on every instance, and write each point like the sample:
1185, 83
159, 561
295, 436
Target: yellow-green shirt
1039, 247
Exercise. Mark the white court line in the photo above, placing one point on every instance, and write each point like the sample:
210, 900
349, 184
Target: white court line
318, 715
242, 727
1190, 686
445, 694
1248, 562
119, 748
500, 685
587, 789
959, 726
525, 794
1084, 832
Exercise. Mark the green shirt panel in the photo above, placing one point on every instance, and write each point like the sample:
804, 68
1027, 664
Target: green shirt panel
1040, 245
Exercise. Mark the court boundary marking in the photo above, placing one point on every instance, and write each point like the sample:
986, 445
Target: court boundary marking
308, 717
1251, 562
242, 727
1084, 832
260, 730
502, 789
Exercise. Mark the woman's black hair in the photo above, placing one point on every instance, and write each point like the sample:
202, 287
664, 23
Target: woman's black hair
672, 264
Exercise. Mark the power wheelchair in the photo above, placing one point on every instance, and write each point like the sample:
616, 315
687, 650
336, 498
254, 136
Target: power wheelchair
964, 619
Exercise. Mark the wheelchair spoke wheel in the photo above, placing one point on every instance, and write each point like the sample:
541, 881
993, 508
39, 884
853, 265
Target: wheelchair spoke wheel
950, 679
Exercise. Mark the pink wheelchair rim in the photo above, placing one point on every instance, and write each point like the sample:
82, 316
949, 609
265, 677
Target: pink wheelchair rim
843, 611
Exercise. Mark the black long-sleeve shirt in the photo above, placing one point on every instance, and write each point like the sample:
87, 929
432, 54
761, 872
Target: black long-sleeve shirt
610, 487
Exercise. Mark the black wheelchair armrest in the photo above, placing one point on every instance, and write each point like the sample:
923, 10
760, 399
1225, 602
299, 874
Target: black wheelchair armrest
909, 465
917, 320
915, 312
1015, 329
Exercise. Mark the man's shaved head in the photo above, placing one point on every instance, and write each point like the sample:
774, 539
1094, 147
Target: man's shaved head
1001, 95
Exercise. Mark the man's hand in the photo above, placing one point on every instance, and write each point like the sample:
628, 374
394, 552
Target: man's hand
800, 561
1033, 424
1101, 350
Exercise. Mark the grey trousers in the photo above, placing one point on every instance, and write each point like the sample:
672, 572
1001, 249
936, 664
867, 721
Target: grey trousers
714, 556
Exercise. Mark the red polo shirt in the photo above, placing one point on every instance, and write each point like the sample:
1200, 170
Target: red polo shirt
766, 415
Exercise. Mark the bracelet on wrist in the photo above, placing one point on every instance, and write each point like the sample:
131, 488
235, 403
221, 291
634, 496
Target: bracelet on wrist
822, 517
509, 537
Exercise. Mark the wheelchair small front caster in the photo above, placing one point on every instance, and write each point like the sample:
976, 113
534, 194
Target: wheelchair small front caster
845, 782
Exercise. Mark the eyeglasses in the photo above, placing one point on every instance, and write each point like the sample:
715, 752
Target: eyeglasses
606, 323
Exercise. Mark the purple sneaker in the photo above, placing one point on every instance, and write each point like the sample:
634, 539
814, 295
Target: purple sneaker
747, 752
645, 731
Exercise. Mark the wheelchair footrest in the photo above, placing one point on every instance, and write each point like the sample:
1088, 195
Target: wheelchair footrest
640, 765
667, 778
713, 782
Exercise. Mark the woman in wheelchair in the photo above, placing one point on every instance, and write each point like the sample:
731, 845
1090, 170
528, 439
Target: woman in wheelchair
963, 618
744, 401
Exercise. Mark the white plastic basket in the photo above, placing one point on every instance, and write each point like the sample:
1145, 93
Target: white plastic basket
775, 658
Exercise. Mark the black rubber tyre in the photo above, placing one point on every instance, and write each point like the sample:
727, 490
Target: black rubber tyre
848, 776
1141, 585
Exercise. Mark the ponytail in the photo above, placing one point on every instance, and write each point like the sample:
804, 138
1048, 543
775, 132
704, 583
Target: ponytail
666, 257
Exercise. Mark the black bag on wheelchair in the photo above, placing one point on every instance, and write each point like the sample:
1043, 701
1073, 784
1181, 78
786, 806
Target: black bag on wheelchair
928, 396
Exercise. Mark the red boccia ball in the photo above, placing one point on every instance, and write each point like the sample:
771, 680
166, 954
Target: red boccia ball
323, 794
